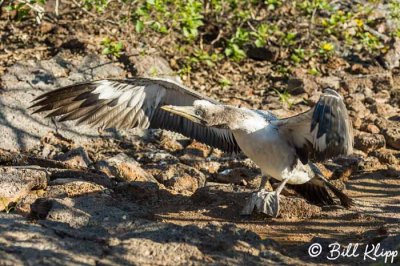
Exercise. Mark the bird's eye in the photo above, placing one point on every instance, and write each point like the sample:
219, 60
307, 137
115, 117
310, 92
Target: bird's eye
198, 112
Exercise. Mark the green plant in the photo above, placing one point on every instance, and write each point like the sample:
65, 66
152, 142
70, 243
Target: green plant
336, 20
297, 56
98, 5
313, 71
224, 82
111, 47
289, 39
311, 6
370, 42
261, 35
23, 8
394, 7
190, 18
235, 45
185, 16
326, 49
285, 98
273, 4
201, 56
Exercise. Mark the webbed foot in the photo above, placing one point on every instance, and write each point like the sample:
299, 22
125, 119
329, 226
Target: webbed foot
263, 202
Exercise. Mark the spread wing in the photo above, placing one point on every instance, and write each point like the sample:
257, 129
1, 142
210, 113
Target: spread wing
321, 133
130, 103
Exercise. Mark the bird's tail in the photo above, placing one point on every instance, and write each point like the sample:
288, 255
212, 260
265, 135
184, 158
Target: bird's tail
345, 201
316, 190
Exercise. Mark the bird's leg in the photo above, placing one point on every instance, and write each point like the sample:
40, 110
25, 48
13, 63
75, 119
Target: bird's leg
264, 181
264, 201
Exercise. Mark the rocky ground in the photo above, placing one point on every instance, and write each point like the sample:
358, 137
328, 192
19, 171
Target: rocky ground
78, 196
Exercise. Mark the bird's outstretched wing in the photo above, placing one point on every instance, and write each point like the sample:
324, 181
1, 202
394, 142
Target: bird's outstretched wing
321, 133
130, 103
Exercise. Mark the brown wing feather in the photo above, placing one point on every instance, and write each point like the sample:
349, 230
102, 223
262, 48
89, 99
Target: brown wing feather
132, 103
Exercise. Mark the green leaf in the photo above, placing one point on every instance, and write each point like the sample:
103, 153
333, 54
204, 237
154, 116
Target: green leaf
119, 46
228, 52
106, 51
259, 43
295, 58
10, 8
186, 32
139, 27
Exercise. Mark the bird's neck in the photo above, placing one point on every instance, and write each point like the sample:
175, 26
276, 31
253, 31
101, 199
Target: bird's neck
248, 121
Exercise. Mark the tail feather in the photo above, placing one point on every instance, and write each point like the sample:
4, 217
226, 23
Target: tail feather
316, 190
314, 193
344, 199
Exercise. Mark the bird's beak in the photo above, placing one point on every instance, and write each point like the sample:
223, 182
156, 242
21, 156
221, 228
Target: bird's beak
187, 112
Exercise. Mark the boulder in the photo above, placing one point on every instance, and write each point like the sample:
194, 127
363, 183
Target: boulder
124, 168
26, 80
16, 183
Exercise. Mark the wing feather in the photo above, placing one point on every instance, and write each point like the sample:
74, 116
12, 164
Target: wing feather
321, 133
130, 103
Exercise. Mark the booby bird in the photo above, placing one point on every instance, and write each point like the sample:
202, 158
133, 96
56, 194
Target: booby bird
284, 149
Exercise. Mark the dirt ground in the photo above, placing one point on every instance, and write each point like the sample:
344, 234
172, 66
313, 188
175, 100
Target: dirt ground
77, 196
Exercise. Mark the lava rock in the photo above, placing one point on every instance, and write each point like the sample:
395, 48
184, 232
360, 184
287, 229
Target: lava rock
385, 156
124, 168
26, 80
180, 177
76, 158
392, 136
17, 183
367, 142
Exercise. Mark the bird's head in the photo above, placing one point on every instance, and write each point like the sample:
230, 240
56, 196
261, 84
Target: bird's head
202, 112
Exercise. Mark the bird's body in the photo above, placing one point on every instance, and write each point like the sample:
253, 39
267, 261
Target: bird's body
283, 148
265, 146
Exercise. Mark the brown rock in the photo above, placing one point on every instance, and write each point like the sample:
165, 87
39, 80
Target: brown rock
370, 163
302, 82
16, 183
382, 81
40, 208
158, 156
211, 167
357, 107
76, 158
385, 156
198, 149
371, 128
66, 187
329, 81
191, 177
46, 27
392, 136
169, 142
358, 69
357, 121
382, 123
53, 144
383, 109
368, 142
153, 66
124, 168
354, 84
392, 58
139, 190
239, 176
183, 183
